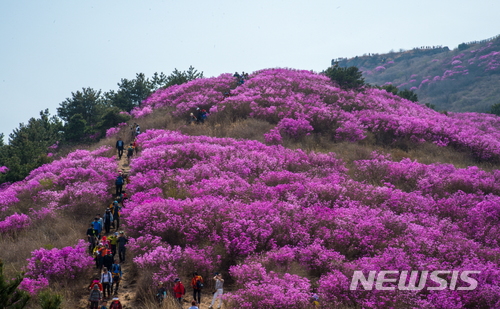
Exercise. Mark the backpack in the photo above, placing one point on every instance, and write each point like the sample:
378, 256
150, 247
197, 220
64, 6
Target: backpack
95, 295
116, 210
130, 151
107, 217
199, 284
119, 180
115, 305
116, 268
120, 144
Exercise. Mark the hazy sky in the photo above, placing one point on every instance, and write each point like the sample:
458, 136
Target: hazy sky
49, 49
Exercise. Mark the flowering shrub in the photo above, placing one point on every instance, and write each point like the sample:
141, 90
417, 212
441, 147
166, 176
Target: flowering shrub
4, 169
112, 131
141, 112
294, 128
34, 286
262, 289
167, 261
8, 196
56, 265
14, 223
273, 137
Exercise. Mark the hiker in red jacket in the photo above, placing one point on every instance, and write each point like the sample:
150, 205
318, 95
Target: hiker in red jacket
197, 285
179, 290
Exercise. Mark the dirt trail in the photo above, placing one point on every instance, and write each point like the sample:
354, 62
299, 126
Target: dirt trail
127, 290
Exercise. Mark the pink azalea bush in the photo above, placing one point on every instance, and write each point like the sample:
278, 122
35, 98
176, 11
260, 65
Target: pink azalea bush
14, 223
112, 132
34, 286
262, 289
56, 265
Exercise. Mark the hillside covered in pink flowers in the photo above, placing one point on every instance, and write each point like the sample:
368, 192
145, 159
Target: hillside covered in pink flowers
279, 222
464, 79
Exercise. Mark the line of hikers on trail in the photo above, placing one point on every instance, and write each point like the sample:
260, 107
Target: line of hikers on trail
197, 284
103, 246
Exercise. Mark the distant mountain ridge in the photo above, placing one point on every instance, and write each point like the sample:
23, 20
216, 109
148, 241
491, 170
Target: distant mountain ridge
461, 80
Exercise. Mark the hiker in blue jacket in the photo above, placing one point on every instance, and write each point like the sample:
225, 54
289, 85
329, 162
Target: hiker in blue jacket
119, 184
97, 226
120, 145
116, 271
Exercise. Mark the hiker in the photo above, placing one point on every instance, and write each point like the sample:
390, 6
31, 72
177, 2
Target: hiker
130, 153
92, 237
132, 130
106, 281
135, 145
104, 305
193, 305
162, 293
115, 211
119, 183
95, 297
219, 282
104, 242
108, 219
179, 290
124, 195
113, 242
192, 118
107, 260
97, 226
137, 129
99, 256
201, 115
115, 304
197, 285
119, 146
122, 241
116, 271
99, 218
315, 300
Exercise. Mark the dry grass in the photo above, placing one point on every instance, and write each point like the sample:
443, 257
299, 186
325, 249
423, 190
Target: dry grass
49, 233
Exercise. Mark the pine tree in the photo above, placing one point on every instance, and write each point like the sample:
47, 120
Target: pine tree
10, 296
